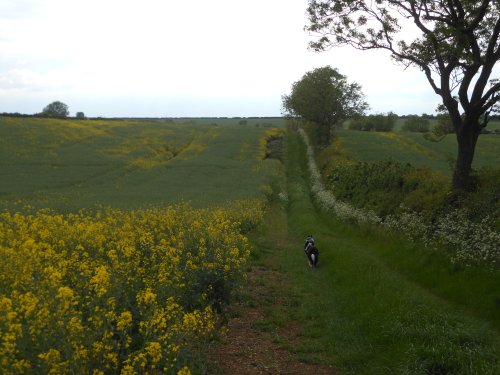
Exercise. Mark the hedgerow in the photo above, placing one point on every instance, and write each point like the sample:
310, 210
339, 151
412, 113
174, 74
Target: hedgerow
388, 185
410, 201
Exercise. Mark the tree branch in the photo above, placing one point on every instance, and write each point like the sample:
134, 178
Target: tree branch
490, 93
454, 15
460, 9
494, 39
490, 58
480, 15
491, 102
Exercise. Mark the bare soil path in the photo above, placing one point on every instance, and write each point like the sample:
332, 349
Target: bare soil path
262, 336
250, 346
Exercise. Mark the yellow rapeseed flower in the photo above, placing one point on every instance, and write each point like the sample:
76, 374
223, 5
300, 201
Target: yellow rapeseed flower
146, 297
75, 326
124, 320
28, 302
100, 282
66, 297
127, 370
51, 357
153, 349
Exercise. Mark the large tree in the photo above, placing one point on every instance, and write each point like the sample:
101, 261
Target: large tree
454, 42
325, 98
56, 109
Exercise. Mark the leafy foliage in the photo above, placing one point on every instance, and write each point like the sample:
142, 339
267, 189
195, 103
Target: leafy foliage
56, 109
416, 124
387, 185
485, 200
378, 122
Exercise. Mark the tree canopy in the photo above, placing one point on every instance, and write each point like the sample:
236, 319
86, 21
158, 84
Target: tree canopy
455, 43
56, 109
325, 98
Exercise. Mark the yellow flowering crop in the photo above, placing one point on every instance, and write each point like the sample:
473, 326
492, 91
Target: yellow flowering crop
128, 292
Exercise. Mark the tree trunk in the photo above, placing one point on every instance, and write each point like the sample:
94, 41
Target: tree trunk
324, 134
467, 136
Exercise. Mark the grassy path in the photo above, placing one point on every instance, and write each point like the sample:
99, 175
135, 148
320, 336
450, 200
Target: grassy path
358, 313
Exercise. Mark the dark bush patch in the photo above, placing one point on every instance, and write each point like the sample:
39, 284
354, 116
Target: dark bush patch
274, 148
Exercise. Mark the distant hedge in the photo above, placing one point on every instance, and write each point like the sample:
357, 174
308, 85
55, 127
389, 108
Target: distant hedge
378, 123
416, 124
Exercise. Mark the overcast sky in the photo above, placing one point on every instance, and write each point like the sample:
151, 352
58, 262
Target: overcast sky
172, 58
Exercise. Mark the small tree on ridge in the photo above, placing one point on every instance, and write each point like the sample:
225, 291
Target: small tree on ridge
325, 98
56, 109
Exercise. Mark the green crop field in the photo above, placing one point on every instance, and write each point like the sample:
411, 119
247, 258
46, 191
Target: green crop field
415, 149
493, 125
69, 164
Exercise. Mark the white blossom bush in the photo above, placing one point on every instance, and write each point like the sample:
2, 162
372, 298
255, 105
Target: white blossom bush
472, 242
327, 200
412, 225
283, 199
469, 242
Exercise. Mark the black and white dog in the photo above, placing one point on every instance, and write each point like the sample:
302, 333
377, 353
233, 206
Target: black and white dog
311, 251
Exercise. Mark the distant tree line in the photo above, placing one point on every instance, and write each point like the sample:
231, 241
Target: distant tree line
418, 124
379, 122
15, 114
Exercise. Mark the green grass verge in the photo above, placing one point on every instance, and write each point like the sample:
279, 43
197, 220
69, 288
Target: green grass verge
377, 305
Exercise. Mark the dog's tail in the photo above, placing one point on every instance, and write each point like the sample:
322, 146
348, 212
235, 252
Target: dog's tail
313, 259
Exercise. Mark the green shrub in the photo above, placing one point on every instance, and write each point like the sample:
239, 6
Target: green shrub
444, 125
356, 124
425, 190
414, 202
416, 124
379, 122
387, 186
485, 200
374, 186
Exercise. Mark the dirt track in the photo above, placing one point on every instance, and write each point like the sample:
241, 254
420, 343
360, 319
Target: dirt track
248, 348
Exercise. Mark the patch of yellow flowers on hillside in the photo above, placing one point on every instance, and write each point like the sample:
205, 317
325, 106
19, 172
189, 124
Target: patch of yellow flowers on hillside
128, 292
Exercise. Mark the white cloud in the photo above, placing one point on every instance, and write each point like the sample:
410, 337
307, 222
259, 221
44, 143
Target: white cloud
169, 57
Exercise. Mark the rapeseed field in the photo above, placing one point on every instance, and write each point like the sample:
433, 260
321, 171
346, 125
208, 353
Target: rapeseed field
117, 291
105, 269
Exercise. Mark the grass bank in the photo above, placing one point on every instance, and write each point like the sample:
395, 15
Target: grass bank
376, 304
